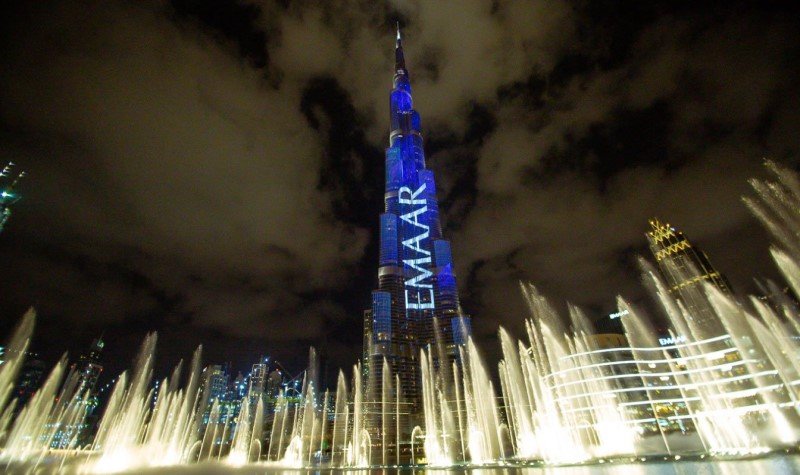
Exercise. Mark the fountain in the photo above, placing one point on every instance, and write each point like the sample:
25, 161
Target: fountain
565, 396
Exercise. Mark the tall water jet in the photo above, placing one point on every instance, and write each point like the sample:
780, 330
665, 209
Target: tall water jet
359, 442
16, 349
50, 419
130, 434
386, 413
436, 448
246, 441
610, 432
340, 421
778, 206
557, 440
518, 397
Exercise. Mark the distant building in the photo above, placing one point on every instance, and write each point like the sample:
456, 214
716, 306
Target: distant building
90, 368
258, 381
642, 384
215, 383
238, 389
611, 323
685, 269
29, 380
221, 407
8, 196
273, 388
778, 297
213, 390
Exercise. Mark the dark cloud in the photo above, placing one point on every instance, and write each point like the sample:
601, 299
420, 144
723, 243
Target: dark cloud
214, 170
159, 155
232, 20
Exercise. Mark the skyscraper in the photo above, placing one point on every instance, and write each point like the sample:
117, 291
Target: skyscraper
416, 305
258, 380
215, 384
90, 368
685, 268
29, 380
7, 194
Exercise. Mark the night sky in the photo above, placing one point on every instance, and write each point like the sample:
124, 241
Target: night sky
213, 170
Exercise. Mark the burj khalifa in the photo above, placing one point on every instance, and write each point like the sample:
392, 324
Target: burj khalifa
416, 305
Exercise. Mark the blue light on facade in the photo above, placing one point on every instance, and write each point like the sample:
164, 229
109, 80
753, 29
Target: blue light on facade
462, 329
388, 250
382, 315
443, 254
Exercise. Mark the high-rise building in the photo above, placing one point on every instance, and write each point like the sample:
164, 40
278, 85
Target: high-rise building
214, 389
90, 368
7, 194
216, 383
416, 305
29, 380
239, 387
258, 380
685, 268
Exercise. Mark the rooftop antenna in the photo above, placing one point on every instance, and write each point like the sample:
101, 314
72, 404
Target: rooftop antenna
399, 60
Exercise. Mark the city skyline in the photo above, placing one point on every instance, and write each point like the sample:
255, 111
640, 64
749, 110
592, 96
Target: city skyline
166, 195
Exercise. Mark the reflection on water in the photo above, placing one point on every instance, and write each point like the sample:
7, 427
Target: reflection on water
777, 465
771, 465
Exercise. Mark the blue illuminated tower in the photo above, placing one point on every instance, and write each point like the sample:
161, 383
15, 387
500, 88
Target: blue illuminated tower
7, 194
416, 304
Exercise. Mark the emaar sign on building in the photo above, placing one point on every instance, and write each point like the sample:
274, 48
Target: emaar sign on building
668, 341
418, 288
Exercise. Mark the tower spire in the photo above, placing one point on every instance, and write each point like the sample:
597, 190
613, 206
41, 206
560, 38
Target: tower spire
399, 59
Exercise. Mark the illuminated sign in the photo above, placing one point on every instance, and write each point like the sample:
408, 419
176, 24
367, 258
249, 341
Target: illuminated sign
418, 290
672, 341
615, 315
